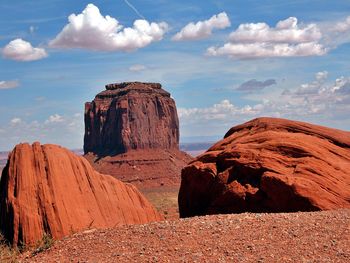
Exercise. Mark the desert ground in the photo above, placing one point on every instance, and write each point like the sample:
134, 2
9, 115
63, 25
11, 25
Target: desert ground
281, 237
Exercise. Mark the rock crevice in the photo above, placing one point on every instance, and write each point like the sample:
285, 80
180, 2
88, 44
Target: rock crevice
269, 165
46, 189
130, 116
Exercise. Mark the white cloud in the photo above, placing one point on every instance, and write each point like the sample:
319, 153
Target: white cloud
310, 88
342, 26
220, 111
259, 40
91, 30
265, 50
15, 121
21, 50
202, 29
336, 32
54, 118
286, 31
317, 101
63, 130
137, 68
9, 84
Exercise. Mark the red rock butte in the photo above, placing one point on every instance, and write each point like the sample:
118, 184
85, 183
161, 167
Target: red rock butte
269, 165
46, 189
131, 116
132, 133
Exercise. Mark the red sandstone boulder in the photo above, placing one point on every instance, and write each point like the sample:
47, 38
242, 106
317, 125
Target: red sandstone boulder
269, 165
46, 189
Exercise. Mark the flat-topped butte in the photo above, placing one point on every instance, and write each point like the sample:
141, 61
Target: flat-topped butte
119, 89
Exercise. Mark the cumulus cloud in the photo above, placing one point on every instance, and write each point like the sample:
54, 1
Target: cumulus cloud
320, 101
259, 40
202, 29
54, 118
255, 85
11, 84
313, 87
221, 111
91, 30
336, 33
286, 31
22, 50
15, 121
66, 130
137, 68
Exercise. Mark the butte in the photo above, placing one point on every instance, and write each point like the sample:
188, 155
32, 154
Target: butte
132, 133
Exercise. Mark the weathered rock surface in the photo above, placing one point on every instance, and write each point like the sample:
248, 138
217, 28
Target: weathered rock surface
130, 115
143, 168
269, 165
46, 189
132, 133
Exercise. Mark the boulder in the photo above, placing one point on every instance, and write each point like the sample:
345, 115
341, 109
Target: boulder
48, 190
269, 165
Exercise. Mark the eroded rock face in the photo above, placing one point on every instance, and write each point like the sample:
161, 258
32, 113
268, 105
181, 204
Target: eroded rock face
130, 116
269, 165
48, 189
132, 133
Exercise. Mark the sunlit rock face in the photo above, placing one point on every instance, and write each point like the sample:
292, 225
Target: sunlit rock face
130, 116
48, 190
269, 165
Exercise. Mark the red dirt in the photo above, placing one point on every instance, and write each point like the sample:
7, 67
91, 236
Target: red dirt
286, 237
152, 168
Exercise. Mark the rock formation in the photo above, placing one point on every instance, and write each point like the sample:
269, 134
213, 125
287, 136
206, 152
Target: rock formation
269, 165
130, 116
46, 189
132, 133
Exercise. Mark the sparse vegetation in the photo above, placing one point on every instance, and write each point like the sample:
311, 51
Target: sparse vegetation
164, 200
45, 243
8, 254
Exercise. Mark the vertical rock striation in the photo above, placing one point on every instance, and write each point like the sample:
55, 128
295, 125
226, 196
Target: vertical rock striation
130, 116
132, 133
269, 165
46, 189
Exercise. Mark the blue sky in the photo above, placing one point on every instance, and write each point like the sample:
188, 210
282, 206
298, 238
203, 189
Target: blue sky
237, 60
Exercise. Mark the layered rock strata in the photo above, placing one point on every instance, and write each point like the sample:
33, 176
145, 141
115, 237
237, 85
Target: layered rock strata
269, 165
130, 116
132, 133
48, 190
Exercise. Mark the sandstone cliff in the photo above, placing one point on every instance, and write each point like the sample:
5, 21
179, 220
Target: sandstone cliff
269, 165
46, 189
132, 133
129, 116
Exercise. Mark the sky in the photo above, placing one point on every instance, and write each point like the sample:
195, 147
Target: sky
224, 62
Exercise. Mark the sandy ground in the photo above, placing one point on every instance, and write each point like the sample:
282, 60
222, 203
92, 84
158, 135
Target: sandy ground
293, 237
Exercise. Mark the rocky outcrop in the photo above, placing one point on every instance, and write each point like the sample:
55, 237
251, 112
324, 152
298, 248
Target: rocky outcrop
130, 116
132, 133
46, 189
269, 165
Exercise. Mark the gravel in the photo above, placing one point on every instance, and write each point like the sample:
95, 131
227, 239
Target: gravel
284, 237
